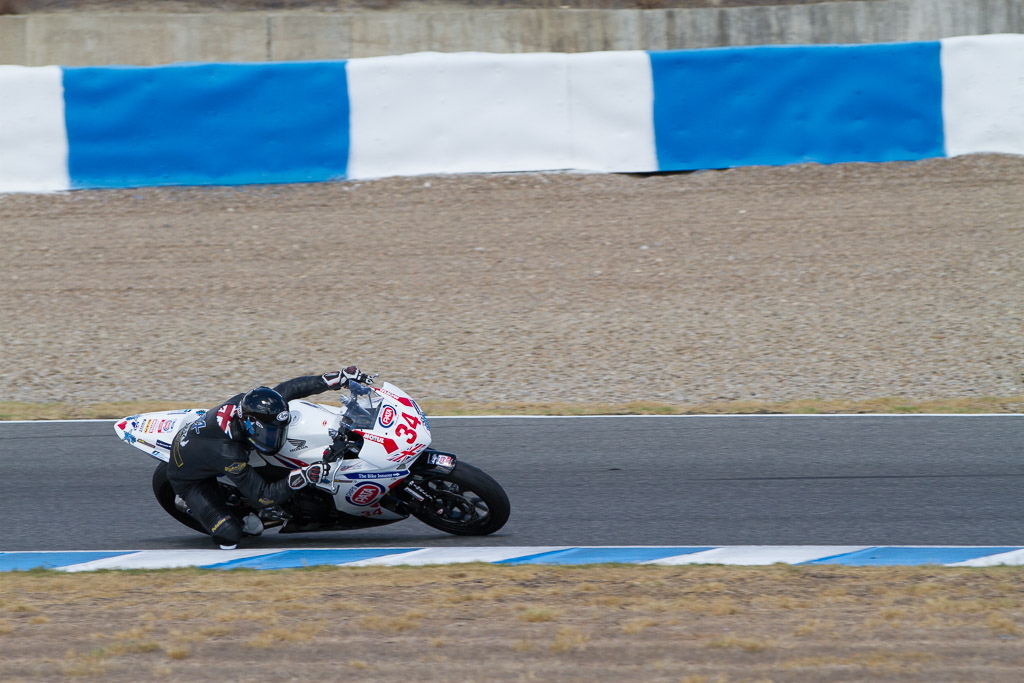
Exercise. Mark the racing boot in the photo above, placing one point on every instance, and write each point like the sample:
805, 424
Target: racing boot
252, 525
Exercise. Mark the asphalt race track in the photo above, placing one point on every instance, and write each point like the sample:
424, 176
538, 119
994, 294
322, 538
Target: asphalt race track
857, 480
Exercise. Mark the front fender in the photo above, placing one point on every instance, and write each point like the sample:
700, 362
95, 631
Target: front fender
433, 462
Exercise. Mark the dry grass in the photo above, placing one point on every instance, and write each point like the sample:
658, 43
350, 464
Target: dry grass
389, 623
264, 615
746, 644
1002, 624
877, 662
538, 614
131, 646
569, 639
83, 667
216, 630
602, 623
635, 626
178, 651
811, 627
282, 636
14, 410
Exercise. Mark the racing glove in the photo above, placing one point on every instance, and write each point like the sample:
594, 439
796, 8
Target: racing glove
334, 380
339, 379
311, 474
353, 373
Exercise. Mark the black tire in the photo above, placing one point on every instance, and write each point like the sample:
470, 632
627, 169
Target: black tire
474, 504
165, 496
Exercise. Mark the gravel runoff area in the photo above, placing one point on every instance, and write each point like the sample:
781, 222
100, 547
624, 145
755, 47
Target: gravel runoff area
849, 281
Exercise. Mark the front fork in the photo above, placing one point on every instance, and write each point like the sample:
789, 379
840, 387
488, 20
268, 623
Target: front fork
406, 499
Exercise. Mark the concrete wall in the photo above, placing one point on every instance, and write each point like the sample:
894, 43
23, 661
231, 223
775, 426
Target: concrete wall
139, 38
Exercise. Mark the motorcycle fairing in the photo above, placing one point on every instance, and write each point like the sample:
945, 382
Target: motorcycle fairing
152, 433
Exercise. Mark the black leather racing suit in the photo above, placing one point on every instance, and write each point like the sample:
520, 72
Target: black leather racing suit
215, 445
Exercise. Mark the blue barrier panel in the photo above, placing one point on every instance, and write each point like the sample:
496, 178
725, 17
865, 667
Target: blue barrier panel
15, 561
727, 107
201, 124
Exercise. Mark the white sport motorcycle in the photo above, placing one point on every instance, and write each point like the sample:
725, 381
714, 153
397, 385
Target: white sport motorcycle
381, 469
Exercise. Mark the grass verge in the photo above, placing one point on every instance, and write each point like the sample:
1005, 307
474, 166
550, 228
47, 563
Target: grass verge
596, 622
16, 410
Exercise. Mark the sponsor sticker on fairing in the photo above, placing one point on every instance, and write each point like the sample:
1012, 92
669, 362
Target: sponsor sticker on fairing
441, 460
389, 444
390, 394
422, 415
387, 417
364, 494
376, 475
408, 453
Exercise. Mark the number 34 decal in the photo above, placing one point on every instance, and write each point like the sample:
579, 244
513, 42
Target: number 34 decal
412, 422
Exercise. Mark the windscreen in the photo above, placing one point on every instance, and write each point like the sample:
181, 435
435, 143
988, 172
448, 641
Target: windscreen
361, 410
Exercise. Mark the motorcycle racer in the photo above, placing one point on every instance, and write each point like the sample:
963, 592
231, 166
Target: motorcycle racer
219, 444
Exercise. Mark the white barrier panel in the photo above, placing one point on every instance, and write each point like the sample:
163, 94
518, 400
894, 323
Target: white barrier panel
480, 112
33, 140
611, 97
983, 94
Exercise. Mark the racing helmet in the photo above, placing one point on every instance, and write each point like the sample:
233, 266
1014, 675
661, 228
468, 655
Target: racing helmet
264, 416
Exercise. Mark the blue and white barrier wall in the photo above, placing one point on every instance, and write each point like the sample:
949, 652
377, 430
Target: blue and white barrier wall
199, 124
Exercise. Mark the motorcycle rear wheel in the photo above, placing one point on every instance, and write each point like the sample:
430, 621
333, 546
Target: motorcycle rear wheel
165, 496
466, 502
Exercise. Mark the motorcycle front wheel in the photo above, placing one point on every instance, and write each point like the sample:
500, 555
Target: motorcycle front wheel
465, 502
